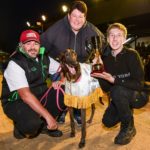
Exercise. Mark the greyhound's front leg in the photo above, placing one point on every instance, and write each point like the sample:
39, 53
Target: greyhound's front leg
72, 123
92, 113
83, 128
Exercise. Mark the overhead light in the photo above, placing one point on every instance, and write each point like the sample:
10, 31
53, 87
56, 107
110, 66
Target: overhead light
28, 24
39, 23
43, 17
64, 8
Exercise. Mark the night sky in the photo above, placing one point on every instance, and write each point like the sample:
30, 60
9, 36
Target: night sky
15, 13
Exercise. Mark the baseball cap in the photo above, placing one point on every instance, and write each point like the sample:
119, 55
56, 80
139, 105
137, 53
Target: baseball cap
29, 35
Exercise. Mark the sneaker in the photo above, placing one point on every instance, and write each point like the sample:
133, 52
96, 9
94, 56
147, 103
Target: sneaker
53, 133
77, 119
17, 134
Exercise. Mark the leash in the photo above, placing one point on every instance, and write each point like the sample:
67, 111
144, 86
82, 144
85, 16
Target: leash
57, 96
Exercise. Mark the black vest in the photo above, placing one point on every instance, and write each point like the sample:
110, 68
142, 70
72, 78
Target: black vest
36, 73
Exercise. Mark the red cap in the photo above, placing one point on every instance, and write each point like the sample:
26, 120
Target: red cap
29, 35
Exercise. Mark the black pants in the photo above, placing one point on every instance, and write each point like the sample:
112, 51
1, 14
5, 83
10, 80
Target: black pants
120, 108
27, 121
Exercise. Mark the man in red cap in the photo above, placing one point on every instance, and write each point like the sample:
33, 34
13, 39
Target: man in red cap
24, 85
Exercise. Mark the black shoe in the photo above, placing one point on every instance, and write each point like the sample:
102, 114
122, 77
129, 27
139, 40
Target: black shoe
53, 133
127, 132
125, 138
17, 134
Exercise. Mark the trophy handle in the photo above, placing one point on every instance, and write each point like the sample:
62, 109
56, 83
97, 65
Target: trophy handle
98, 66
98, 57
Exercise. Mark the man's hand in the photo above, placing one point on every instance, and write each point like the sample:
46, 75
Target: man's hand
51, 123
57, 84
105, 76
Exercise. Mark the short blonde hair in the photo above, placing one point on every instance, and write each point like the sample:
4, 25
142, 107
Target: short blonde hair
119, 26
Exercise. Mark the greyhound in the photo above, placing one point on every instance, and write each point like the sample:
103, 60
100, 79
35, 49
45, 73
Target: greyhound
75, 76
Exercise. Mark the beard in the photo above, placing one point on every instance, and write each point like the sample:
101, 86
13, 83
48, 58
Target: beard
32, 53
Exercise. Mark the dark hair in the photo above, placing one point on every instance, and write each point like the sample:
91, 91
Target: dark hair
80, 5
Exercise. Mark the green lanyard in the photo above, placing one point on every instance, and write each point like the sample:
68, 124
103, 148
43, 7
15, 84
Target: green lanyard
13, 96
41, 52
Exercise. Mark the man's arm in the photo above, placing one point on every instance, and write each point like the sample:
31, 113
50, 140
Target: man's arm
136, 80
16, 80
34, 103
48, 37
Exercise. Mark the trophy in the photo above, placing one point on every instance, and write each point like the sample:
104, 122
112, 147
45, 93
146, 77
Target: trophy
96, 46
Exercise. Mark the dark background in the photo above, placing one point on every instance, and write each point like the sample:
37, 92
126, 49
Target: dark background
135, 14
15, 13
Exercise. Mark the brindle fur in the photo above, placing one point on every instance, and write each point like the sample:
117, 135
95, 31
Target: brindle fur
69, 58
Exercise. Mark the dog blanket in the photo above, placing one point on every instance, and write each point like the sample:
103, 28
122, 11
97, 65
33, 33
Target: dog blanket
84, 92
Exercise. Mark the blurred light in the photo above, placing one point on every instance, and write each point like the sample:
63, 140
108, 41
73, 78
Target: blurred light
38, 23
43, 17
64, 8
129, 39
28, 24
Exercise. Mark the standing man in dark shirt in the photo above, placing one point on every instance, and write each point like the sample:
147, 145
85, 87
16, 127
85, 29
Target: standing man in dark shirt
73, 31
123, 78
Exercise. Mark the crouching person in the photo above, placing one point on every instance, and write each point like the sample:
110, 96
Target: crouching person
123, 78
23, 87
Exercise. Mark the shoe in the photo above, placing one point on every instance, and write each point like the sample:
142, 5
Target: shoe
77, 119
127, 132
17, 134
53, 133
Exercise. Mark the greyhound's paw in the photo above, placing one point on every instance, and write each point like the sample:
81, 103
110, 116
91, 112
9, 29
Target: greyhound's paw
89, 121
81, 144
72, 134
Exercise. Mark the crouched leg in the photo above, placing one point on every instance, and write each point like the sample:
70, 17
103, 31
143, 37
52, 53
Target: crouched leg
122, 98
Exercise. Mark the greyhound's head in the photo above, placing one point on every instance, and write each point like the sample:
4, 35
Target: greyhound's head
69, 64
69, 57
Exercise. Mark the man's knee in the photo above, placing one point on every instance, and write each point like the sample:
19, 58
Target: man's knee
110, 117
109, 122
31, 128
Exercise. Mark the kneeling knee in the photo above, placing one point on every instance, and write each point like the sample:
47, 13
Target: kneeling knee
31, 130
108, 123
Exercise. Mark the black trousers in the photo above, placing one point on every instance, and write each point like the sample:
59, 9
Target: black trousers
120, 108
27, 121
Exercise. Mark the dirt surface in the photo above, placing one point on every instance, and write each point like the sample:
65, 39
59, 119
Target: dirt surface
98, 137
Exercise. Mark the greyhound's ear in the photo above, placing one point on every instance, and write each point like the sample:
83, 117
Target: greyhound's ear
61, 57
